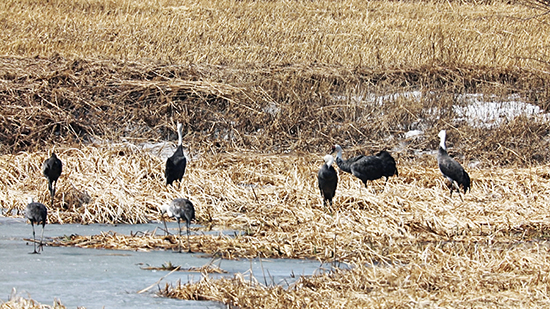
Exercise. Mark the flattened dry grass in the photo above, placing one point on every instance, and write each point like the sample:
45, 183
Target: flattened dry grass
408, 243
437, 275
18, 302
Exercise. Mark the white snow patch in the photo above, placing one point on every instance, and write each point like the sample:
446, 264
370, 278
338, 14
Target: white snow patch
488, 112
413, 133
477, 110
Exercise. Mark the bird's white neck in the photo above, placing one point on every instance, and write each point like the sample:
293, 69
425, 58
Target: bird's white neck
329, 160
442, 136
338, 152
180, 137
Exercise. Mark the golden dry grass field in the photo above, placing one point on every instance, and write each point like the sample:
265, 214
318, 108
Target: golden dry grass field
264, 89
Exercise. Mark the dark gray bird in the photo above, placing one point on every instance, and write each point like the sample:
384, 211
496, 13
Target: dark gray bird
37, 214
175, 165
388, 164
328, 180
451, 169
367, 167
181, 209
344, 165
51, 168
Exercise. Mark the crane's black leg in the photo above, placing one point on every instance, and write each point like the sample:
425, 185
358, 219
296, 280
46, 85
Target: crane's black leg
41, 246
165, 227
179, 238
188, 245
33, 239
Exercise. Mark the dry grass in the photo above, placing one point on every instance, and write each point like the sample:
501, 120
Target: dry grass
258, 75
351, 33
408, 243
437, 275
18, 302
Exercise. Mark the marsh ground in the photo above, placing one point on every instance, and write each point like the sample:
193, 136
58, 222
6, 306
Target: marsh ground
264, 89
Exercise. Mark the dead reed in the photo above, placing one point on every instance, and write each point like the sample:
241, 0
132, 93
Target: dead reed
268, 78
285, 81
351, 33
18, 302
447, 275
425, 247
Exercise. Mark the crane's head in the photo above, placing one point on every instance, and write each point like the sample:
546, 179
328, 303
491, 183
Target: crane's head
328, 160
165, 208
336, 148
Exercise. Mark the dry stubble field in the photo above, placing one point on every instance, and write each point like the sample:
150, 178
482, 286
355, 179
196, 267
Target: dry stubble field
264, 88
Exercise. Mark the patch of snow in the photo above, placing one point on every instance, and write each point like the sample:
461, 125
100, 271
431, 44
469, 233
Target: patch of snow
413, 133
477, 110
488, 112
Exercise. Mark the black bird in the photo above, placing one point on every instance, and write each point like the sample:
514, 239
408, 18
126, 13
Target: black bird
36, 213
367, 167
328, 180
175, 165
388, 164
451, 169
51, 169
344, 165
181, 209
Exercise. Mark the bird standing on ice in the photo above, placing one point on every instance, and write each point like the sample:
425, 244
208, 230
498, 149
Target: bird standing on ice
451, 169
180, 208
328, 180
37, 214
175, 165
51, 168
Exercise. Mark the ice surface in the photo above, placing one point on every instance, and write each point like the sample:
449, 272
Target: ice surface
97, 278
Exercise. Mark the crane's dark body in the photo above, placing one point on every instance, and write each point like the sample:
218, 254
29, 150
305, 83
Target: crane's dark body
389, 168
327, 178
37, 214
175, 165
52, 168
368, 168
451, 169
181, 209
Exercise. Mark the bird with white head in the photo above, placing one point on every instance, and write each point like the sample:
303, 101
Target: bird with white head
180, 209
451, 169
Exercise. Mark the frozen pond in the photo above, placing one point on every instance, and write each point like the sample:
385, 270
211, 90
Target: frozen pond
111, 278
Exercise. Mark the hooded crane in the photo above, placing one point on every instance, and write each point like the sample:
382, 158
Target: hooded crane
51, 168
175, 165
328, 180
37, 214
367, 167
451, 169
180, 208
